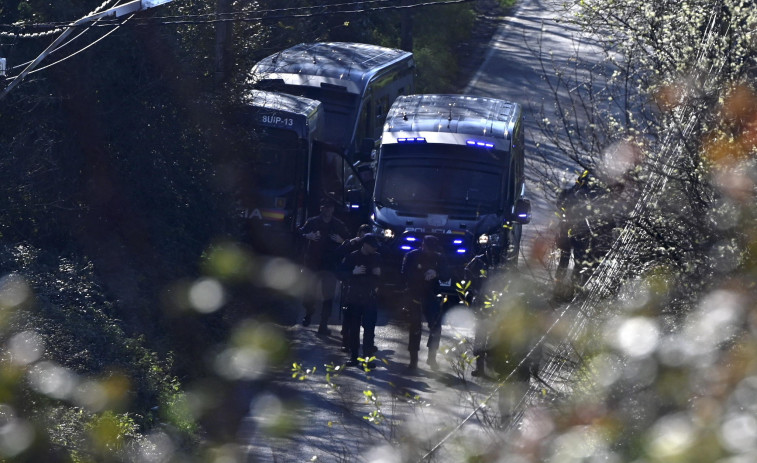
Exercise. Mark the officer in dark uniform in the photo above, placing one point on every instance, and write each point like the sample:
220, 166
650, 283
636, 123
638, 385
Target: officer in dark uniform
353, 244
507, 336
585, 230
477, 273
421, 270
323, 234
344, 249
360, 272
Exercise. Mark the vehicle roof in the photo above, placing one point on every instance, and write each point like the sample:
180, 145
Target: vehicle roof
282, 102
289, 112
463, 114
355, 63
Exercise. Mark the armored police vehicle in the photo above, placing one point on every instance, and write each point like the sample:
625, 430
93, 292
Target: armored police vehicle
356, 84
451, 166
273, 183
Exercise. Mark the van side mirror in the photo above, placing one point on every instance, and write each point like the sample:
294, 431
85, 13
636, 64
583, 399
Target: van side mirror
355, 201
523, 211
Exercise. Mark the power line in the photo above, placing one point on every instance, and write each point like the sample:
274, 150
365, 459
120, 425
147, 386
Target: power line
269, 14
57, 30
67, 43
81, 49
128, 8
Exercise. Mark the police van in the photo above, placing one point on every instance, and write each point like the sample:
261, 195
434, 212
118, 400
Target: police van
451, 166
356, 84
274, 182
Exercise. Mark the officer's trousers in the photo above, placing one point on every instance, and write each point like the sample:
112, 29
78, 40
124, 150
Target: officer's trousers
481, 333
357, 315
324, 293
429, 307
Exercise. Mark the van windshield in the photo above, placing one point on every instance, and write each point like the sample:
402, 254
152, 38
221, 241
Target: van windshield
273, 166
439, 186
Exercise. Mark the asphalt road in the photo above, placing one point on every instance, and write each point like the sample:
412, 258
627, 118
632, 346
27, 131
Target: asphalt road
426, 416
529, 48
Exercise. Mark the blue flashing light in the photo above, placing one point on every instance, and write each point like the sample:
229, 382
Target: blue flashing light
461, 251
457, 242
479, 144
411, 140
411, 238
355, 206
406, 248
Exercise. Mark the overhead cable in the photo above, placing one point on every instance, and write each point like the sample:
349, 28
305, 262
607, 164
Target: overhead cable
57, 30
257, 15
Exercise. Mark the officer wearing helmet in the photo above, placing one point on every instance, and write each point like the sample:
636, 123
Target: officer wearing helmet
585, 233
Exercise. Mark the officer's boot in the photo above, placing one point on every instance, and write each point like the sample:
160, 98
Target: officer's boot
480, 367
413, 365
431, 360
308, 318
323, 328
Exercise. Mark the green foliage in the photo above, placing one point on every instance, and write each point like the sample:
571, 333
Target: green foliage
463, 291
459, 356
366, 363
437, 54
436, 69
376, 416
91, 388
300, 373
109, 432
333, 372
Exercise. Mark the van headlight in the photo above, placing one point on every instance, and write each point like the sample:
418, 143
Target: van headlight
493, 239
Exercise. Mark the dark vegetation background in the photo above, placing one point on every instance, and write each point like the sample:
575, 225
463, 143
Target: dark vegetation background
112, 192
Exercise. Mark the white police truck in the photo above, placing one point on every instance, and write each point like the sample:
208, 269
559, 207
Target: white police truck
451, 166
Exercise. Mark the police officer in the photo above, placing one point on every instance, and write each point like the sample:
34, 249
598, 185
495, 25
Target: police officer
477, 273
353, 244
361, 271
421, 270
344, 249
585, 230
323, 234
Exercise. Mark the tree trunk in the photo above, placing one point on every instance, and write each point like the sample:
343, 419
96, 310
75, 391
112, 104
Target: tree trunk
406, 29
223, 42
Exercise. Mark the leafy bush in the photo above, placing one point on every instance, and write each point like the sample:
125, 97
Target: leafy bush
71, 373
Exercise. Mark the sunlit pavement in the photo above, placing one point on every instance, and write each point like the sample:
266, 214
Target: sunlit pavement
334, 421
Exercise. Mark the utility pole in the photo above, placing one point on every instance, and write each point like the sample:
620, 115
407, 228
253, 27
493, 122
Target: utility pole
117, 11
